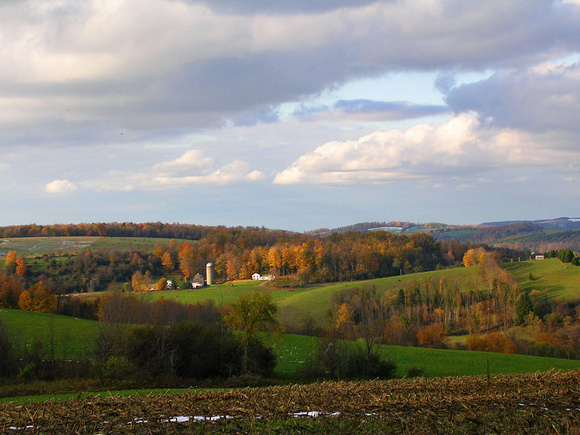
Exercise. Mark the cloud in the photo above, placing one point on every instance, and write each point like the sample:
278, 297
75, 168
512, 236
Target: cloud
272, 6
459, 148
183, 64
540, 99
192, 168
381, 110
60, 186
192, 160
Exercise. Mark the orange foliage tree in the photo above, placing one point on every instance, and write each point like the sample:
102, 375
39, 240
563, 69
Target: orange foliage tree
493, 342
432, 336
38, 299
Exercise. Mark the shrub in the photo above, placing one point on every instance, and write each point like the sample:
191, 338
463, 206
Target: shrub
191, 350
414, 372
7, 359
338, 359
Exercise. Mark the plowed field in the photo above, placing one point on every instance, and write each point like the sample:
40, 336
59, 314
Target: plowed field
529, 403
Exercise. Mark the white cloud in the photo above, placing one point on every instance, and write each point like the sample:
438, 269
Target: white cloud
60, 186
190, 169
192, 160
460, 147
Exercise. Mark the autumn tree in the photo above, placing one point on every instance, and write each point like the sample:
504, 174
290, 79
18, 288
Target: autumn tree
160, 285
20, 267
251, 313
432, 336
186, 260
159, 250
38, 299
167, 262
11, 257
140, 282
10, 290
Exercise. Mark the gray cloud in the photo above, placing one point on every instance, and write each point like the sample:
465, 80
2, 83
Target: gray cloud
370, 110
171, 65
283, 6
543, 99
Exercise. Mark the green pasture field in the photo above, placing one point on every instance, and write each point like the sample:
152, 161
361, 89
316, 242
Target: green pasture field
223, 294
72, 336
314, 300
38, 246
317, 300
292, 350
460, 234
559, 280
141, 244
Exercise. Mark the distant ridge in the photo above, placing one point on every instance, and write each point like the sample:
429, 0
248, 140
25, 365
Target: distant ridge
561, 222
536, 235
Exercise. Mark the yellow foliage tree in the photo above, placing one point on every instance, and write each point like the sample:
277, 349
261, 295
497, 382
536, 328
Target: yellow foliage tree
140, 282
11, 258
20, 267
160, 285
25, 301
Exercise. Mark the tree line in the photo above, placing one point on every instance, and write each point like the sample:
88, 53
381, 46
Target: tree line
491, 308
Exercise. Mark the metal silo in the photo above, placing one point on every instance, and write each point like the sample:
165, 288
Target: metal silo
209, 273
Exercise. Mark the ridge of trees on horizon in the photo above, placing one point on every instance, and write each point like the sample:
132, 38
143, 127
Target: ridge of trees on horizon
237, 253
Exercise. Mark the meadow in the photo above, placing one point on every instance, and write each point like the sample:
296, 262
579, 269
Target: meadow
38, 246
73, 337
57, 246
559, 280
312, 300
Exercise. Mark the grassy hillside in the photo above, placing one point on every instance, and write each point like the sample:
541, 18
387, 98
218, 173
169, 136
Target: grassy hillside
71, 336
74, 336
38, 246
317, 300
560, 280
314, 300
293, 350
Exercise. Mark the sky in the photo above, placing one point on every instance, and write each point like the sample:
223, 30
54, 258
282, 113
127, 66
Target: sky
292, 115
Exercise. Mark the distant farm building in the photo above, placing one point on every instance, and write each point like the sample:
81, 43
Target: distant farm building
197, 281
258, 277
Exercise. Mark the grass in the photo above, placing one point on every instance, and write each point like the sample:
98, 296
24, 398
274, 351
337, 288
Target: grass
38, 246
559, 280
142, 244
292, 350
221, 294
317, 300
72, 336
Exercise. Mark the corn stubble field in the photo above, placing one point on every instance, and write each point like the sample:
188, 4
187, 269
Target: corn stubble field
529, 403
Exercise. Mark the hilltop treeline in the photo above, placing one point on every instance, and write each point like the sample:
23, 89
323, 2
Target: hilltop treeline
237, 253
115, 229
